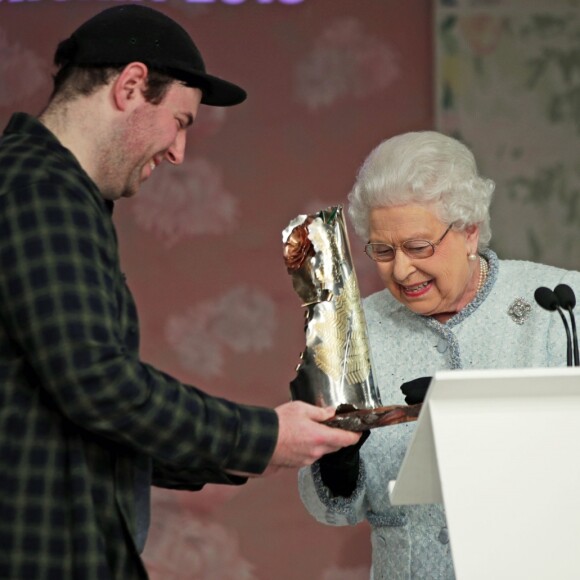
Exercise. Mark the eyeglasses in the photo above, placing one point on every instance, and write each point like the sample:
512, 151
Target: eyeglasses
415, 249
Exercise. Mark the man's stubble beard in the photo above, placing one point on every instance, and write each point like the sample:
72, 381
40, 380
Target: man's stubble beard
118, 175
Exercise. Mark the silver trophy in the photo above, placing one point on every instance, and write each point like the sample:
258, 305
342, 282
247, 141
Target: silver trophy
335, 368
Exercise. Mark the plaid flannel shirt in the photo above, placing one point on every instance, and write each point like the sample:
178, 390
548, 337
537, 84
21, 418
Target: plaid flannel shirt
80, 415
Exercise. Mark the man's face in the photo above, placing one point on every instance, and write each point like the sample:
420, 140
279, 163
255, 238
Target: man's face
148, 135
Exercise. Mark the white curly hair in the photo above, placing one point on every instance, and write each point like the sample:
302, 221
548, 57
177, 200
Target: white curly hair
423, 167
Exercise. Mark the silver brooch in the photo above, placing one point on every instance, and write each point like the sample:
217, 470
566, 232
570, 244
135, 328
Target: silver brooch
519, 310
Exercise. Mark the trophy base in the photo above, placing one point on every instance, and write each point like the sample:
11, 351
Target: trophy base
365, 419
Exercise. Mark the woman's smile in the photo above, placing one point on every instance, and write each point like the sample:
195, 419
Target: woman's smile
417, 290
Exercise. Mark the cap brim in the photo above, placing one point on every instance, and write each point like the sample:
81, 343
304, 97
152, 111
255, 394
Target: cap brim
215, 91
222, 93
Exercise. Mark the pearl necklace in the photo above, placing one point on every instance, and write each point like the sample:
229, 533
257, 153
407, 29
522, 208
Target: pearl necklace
483, 270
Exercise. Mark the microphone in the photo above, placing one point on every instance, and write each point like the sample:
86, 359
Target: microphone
548, 300
567, 300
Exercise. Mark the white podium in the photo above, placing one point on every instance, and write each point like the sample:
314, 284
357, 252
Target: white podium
501, 450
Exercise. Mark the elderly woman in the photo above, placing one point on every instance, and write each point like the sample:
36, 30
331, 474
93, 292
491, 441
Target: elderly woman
449, 303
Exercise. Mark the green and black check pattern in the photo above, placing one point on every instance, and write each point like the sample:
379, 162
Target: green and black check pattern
81, 417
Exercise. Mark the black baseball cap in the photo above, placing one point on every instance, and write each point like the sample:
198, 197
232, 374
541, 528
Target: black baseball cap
135, 33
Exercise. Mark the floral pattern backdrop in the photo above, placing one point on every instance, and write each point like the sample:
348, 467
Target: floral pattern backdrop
508, 83
201, 244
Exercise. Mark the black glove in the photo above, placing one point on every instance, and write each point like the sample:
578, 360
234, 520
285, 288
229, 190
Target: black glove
415, 390
339, 470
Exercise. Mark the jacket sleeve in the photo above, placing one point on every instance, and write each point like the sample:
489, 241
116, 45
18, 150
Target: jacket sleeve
327, 508
71, 318
191, 478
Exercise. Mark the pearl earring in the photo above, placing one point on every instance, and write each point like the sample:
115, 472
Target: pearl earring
472, 257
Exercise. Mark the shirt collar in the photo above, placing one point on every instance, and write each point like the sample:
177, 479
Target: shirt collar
23, 123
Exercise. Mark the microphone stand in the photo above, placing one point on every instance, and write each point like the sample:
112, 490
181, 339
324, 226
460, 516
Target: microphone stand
548, 300
574, 338
567, 300
569, 341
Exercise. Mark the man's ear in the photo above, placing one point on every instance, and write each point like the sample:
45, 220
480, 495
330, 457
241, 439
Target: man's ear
128, 86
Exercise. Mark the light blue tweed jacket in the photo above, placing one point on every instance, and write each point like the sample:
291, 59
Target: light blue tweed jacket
412, 542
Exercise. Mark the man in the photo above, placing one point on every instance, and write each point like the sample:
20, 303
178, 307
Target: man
85, 426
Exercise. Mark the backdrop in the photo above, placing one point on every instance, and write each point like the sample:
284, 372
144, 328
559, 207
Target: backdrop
508, 84
201, 243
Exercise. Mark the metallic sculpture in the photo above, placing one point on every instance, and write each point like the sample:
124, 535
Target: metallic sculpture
336, 368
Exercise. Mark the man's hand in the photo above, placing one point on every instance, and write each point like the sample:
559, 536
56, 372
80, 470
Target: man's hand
302, 438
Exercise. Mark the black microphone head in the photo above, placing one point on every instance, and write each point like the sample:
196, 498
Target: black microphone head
546, 298
565, 296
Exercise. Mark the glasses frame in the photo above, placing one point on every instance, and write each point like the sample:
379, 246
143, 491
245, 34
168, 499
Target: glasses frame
433, 245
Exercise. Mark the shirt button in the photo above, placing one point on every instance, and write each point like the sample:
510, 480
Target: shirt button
441, 345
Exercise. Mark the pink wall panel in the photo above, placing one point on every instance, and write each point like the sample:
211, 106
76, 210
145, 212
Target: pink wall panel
201, 243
